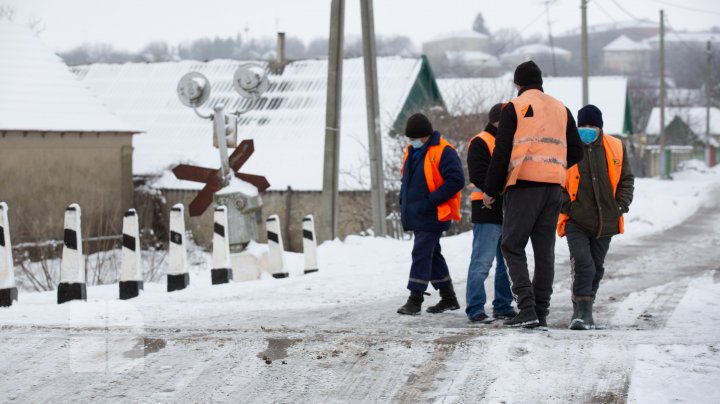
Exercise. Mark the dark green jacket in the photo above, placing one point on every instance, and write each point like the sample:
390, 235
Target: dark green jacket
595, 209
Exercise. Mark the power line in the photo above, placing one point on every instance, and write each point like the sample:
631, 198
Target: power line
604, 11
626, 12
698, 10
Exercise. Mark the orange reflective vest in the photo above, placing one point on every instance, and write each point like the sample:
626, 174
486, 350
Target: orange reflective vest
489, 139
539, 150
614, 156
450, 209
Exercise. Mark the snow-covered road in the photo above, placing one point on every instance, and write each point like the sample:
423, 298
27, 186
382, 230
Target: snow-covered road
334, 336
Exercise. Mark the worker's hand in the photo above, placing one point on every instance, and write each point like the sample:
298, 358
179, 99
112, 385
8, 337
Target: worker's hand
488, 201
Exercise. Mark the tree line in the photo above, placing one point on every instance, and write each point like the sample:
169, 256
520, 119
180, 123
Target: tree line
236, 47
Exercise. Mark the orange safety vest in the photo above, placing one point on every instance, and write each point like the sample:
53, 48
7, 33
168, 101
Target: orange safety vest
539, 150
450, 209
489, 139
614, 156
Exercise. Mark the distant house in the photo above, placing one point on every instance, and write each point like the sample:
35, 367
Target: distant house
460, 51
540, 53
684, 126
287, 125
685, 130
58, 144
609, 93
623, 55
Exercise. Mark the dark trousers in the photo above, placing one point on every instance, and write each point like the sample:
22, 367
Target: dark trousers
587, 256
428, 264
531, 213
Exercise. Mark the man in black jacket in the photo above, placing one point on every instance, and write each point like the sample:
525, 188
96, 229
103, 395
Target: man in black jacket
487, 232
598, 192
536, 142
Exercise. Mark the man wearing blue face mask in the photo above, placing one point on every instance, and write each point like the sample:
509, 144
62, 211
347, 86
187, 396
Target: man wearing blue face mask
598, 191
432, 178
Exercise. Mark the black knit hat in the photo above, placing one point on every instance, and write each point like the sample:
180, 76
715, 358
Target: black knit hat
418, 126
494, 114
590, 115
528, 74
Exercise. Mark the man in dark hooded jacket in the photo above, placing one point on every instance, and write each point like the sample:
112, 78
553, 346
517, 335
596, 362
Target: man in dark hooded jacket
432, 177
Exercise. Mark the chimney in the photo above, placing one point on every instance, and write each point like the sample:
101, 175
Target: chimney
280, 49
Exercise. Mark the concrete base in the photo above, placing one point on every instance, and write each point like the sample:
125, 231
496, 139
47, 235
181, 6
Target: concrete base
221, 275
7, 296
130, 289
309, 271
71, 291
177, 282
280, 275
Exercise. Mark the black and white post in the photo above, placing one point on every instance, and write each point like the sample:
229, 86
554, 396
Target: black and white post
131, 277
72, 269
8, 291
177, 276
222, 269
276, 257
309, 244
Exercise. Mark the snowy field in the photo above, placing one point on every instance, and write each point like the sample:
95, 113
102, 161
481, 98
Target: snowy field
334, 336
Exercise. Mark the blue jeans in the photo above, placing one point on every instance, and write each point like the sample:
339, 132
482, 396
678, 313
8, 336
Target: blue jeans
485, 248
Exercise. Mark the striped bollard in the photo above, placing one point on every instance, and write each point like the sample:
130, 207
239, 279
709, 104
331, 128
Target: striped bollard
222, 268
131, 277
8, 291
309, 244
177, 277
72, 269
276, 259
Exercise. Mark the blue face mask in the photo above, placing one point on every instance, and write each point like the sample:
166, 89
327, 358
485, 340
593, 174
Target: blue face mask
588, 135
416, 143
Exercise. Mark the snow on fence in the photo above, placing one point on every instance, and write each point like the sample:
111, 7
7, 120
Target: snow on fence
131, 277
222, 268
8, 290
177, 277
72, 268
276, 258
309, 244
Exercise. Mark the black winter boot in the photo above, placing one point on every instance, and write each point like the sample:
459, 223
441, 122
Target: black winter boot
526, 319
448, 301
413, 305
583, 320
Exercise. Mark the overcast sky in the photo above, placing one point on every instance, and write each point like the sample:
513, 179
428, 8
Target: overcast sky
130, 24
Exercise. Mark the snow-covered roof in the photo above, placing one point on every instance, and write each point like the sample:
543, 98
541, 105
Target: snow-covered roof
625, 44
618, 25
472, 58
539, 49
698, 38
39, 93
288, 126
694, 117
609, 93
465, 34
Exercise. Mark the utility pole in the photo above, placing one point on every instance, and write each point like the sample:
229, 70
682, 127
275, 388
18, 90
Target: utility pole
664, 171
552, 47
708, 83
584, 55
329, 203
377, 184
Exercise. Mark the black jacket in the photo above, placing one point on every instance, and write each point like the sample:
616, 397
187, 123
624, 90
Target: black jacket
495, 181
595, 209
478, 161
